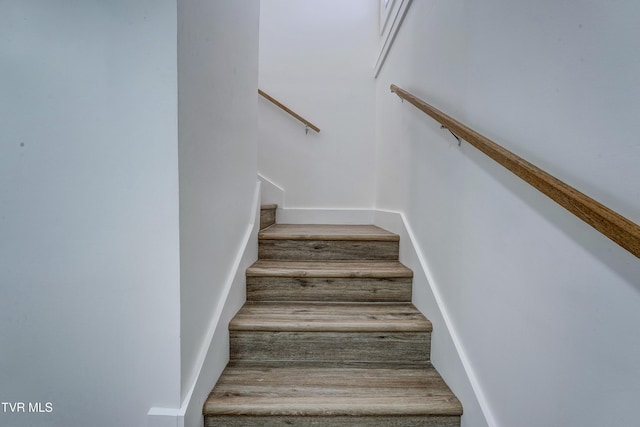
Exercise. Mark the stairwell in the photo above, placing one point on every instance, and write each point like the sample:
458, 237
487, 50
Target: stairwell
329, 336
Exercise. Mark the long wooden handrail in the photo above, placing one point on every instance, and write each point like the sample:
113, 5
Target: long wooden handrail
288, 110
610, 223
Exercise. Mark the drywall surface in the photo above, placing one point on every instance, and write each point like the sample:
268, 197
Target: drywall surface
316, 58
545, 308
216, 357
445, 346
89, 261
218, 113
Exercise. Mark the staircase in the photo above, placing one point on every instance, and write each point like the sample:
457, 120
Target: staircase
329, 337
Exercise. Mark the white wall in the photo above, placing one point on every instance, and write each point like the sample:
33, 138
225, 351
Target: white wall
316, 58
218, 113
89, 262
233, 296
545, 307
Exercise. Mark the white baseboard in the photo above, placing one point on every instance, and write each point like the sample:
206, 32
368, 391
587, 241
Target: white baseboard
273, 193
163, 417
215, 355
447, 354
270, 192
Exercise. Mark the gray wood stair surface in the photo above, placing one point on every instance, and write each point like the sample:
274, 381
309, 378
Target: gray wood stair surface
267, 215
336, 269
328, 232
327, 242
329, 337
331, 281
313, 390
327, 317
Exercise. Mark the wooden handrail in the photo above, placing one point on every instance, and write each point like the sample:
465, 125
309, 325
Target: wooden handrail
288, 110
608, 222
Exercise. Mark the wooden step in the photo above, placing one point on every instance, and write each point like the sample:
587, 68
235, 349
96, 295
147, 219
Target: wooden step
327, 242
383, 281
329, 337
330, 332
331, 395
267, 215
321, 317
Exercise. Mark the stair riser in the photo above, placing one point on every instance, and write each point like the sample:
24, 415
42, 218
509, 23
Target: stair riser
267, 218
328, 289
327, 250
331, 421
406, 347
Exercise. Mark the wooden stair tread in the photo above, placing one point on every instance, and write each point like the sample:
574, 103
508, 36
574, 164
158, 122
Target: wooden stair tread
327, 232
268, 206
329, 269
329, 317
316, 389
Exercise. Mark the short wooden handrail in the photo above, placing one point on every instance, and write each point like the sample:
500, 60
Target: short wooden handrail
608, 222
306, 122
